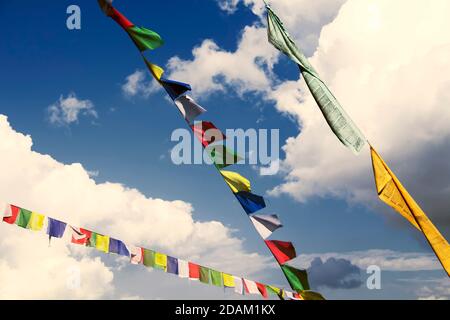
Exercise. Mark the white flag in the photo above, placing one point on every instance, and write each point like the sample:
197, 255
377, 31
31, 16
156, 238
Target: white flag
183, 269
189, 108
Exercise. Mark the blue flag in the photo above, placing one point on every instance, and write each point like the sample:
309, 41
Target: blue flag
118, 247
250, 202
172, 265
56, 228
174, 88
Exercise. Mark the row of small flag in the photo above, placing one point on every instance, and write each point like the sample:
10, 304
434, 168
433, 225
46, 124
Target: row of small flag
54, 228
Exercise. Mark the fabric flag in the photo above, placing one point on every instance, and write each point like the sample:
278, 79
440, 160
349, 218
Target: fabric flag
228, 280
265, 224
118, 247
174, 89
92, 240
136, 255
236, 182
274, 290
161, 261
143, 38
250, 202
238, 285
155, 70
204, 275
338, 120
298, 279
11, 214
216, 278
80, 236
262, 289
207, 132
221, 156
282, 251
251, 287
23, 218
102, 243
189, 109
183, 268
172, 265
194, 271
56, 228
36, 222
393, 193
311, 295
149, 258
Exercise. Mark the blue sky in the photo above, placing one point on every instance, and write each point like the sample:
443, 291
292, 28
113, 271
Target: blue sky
129, 142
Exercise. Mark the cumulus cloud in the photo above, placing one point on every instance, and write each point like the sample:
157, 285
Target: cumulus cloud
68, 109
387, 260
434, 289
138, 84
334, 273
36, 181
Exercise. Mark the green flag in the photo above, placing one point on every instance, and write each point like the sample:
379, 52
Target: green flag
145, 38
149, 258
24, 218
338, 120
298, 279
204, 275
216, 278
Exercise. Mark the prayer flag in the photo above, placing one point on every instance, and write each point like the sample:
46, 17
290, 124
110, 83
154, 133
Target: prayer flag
298, 279
262, 289
36, 222
56, 228
228, 280
251, 287
11, 214
80, 236
172, 265
155, 70
149, 258
265, 224
221, 156
194, 271
250, 202
393, 193
310, 295
136, 255
118, 247
102, 243
204, 275
161, 261
216, 278
236, 182
282, 251
174, 88
183, 268
338, 120
24, 218
189, 109
207, 132
238, 285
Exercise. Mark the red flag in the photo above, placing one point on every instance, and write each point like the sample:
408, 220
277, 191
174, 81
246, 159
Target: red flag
207, 133
11, 216
120, 18
194, 271
282, 251
80, 235
262, 288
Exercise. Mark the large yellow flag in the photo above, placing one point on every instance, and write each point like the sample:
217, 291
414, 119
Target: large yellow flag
391, 191
36, 222
236, 182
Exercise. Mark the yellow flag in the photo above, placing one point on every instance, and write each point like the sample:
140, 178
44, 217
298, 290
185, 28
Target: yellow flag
236, 182
36, 222
156, 71
228, 280
102, 243
391, 191
161, 260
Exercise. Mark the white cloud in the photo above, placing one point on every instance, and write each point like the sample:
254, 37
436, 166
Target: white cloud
66, 192
138, 84
67, 110
434, 289
387, 260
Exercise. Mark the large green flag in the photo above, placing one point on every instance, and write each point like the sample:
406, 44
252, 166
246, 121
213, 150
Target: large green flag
298, 279
204, 275
216, 278
24, 218
338, 120
145, 38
